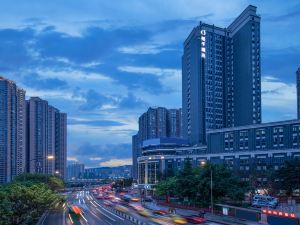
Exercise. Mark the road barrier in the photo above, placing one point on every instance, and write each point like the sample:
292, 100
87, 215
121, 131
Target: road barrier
126, 216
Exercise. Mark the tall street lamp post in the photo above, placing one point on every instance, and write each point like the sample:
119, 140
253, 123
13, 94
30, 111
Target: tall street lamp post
203, 163
48, 157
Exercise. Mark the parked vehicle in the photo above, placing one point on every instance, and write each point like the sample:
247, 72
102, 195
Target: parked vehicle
195, 219
264, 201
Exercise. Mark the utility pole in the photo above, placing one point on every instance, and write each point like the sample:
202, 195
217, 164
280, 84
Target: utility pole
211, 191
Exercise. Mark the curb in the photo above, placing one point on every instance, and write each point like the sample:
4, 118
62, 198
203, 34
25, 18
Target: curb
126, 216
42, 218
224, 223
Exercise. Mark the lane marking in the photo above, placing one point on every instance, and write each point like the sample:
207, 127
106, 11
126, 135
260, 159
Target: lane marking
93, 204
106, 215
110, 212
64, 215
108, 222
70, 219
95, 214
83, 217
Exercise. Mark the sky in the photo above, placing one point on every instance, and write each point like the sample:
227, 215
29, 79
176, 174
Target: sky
105, 62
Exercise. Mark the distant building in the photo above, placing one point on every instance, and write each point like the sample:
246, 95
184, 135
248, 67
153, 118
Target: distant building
221, 109
47, 128
12, 130
155, 123
75, 171
250, 150
136, 152
38, 135
51, 138
153, 169
298, 92
30, 132
109, 172
174, 123
61, 144
221, 76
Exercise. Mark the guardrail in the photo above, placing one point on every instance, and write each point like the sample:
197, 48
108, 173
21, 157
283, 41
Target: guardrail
126, 216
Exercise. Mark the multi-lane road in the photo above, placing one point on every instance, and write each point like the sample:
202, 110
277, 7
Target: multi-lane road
93, 213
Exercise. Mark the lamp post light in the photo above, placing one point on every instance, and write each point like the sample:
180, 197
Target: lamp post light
203, 163
48, 157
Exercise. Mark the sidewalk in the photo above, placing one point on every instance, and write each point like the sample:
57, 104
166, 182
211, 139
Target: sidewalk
226, 220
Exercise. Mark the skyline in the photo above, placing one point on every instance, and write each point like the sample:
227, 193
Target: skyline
104, 93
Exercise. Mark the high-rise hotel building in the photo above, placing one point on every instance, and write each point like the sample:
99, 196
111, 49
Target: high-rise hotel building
12, 130
221, 76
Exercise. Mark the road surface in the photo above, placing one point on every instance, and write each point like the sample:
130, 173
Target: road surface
94, 213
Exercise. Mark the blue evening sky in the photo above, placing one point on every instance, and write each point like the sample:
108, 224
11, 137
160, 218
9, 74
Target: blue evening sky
105, 62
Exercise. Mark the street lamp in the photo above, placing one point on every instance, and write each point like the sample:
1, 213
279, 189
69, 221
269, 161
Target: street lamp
48, 157
203, 163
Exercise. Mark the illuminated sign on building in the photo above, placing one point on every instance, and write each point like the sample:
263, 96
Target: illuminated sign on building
203, 49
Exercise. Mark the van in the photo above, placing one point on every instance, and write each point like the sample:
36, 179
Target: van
264, 201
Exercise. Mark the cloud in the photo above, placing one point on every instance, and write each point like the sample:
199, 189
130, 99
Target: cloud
13, 48
278, 99
131, 101
104, 64
95, 155
291, 14
116, 162
94, 44
34, 80
170, 78
100, 123
72, 159
94, 100
143, 49
95, 158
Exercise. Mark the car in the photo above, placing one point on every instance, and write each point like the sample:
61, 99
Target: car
74, 212
121, 208
107, 203
160, 220
160, 212
195, 219
264, 201
178, 219
100, 196
148, 199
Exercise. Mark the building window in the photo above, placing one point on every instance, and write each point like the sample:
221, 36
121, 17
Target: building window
260, 139
278, 137
228, 140
244, 137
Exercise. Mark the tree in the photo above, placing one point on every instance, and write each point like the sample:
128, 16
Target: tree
225, 184
195, 184
53, 182
120, 183
186, 182
23, 201
288, 177
166, 187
